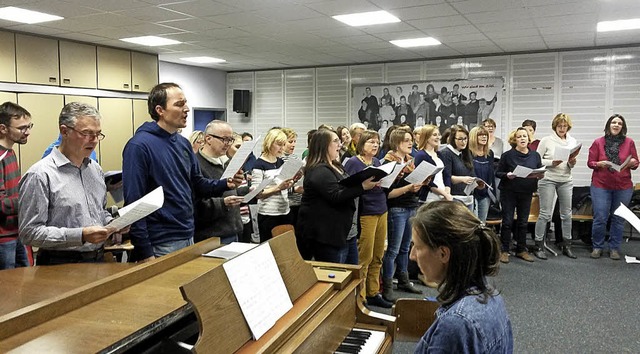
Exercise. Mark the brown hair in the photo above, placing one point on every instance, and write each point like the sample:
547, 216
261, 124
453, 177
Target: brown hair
366, 135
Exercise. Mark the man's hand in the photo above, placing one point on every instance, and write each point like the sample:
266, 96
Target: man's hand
232, 201
235, 181
96, 234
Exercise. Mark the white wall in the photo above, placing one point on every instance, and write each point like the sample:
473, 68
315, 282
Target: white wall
203, 87
588, 85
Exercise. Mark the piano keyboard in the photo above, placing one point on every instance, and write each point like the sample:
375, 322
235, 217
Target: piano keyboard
361, 341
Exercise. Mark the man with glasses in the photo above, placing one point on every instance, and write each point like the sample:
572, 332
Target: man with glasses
158, 156
15, 127
63, 197
217, 216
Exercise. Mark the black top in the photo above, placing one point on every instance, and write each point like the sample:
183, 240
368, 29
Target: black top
327, 207
407, 200
454, 166
508, 163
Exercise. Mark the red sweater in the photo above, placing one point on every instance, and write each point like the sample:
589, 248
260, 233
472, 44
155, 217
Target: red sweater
9, 180
604, 177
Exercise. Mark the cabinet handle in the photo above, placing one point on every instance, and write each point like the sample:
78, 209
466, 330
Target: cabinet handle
66, 81
137, 87
53, 79
125, 86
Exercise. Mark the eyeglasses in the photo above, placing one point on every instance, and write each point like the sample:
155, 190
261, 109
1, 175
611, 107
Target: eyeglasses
462, 139
227, 141
23, 129
88, 134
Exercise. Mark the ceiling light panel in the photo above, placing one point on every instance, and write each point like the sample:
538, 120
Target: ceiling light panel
203, 60
367, 18
415, 42
151, 41
17, 14
619, 25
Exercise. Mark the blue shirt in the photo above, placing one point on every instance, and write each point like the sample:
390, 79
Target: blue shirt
469, 326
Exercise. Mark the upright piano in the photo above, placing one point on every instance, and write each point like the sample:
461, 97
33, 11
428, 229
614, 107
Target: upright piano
182, 302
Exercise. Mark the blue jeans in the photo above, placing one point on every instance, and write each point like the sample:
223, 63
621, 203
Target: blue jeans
482, 208
13, 255
398, 241
605, 202
163, 249
352, 251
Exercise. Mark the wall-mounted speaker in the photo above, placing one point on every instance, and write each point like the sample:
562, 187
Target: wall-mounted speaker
242, 101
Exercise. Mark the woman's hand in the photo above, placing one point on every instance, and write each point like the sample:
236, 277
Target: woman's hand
232, 201
286, 184
555, 163
468, 179
369, 184
633, 163
510, 175
603, 164
481, 184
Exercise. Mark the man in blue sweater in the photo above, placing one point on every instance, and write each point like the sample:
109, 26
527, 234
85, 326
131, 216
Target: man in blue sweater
158, 156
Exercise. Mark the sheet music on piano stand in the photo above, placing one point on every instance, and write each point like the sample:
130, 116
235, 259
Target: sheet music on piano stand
259, 289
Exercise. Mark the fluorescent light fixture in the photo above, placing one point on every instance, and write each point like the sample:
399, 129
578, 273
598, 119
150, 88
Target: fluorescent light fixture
415, 42
465, 65
367, 18
17, 14
613, 57
151, 41
619, 25
203, 60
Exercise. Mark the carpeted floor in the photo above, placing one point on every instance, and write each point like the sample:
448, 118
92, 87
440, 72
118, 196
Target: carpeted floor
569, 306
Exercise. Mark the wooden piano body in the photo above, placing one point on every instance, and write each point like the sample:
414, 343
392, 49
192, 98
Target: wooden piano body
112, 308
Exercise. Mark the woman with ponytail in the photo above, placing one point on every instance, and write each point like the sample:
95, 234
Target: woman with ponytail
456, 251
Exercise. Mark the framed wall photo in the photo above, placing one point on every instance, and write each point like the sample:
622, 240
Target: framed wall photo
441, 103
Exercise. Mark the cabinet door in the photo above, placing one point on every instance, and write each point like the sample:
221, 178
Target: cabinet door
44, 110
37, 60
140, 114
114, 69
77, 65
82, 99
7, 57
144, 71
117, 125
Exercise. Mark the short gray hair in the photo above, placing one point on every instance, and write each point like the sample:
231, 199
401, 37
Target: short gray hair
74, 110
212, 125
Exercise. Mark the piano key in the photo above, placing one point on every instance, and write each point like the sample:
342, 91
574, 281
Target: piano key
372, 344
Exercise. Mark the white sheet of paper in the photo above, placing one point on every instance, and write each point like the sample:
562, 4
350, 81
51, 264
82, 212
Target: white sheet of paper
621, 166
231, 250
387, 167
386, 182
139, 209
345, 160
624, 212
421, 172
259, 289
563, 153
239, 158
492, 196
265, 182
630, 259
524, 172
470, 187
290, 168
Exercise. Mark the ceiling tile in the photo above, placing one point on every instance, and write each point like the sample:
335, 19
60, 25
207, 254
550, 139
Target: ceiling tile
35, 29
395, 4
225, 33
454, 38
400, 35
506, 26
59, 8
337, 31
202, 8
570, 8
512, 33
341, 7
152, 29
153, 14
287, 13
193, 24
237, 19
422, 12
445, 21
111, 5
475, 6
490, 17
387, 28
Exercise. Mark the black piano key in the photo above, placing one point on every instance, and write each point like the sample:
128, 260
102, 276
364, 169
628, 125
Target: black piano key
357, 341
359, 334
349, 349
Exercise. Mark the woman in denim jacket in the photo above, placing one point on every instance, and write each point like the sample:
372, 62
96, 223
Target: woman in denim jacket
458, 253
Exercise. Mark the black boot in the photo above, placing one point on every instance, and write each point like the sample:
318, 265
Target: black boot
539, 252
405, 285
387, 290
566, 250
379, 301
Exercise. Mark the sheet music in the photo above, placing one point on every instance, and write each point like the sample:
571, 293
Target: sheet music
239, 158
290, 168
624, 212
387, 181
524, 172
563, 153
422, 172
231, 250
139, 209
265, 182
471, 187
258, 286
621, 166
